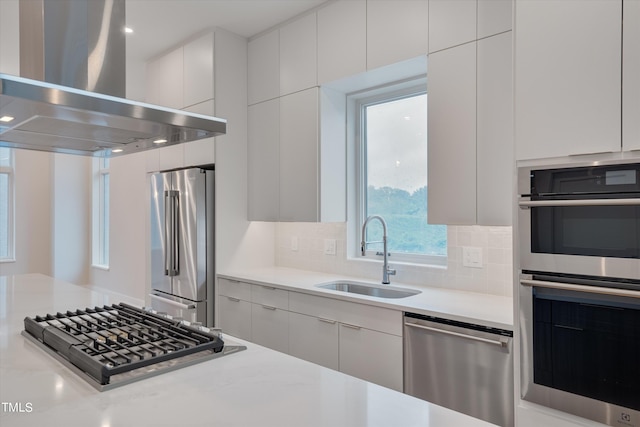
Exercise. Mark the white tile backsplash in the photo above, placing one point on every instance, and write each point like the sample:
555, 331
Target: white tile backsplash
495, 277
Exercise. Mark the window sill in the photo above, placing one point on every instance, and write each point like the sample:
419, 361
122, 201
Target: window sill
7, 260
100, 267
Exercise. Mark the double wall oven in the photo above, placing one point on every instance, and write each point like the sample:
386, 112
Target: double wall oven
579, 233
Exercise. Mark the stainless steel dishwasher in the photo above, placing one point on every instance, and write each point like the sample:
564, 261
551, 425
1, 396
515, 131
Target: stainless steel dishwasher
461, 366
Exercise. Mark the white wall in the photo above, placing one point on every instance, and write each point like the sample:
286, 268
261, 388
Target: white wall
128, 212
33, 206
70, 216
52, 216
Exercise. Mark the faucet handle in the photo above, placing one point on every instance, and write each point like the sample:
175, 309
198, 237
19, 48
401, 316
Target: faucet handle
391, 271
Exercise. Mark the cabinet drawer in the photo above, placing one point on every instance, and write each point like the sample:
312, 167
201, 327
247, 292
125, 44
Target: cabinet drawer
270, 296
270, 327
235, 317
314, 339
355, 314
372, 356
234, 288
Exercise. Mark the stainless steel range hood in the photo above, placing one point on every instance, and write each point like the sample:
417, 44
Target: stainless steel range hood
42, 116
72, 43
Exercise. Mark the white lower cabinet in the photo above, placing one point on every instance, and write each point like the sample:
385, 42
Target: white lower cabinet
270, 327
358, 339
371, 355
314, 339
368, 339
256, 313
234, 308
235, 317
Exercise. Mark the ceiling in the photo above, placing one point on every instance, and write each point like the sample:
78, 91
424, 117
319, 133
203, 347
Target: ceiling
161, 24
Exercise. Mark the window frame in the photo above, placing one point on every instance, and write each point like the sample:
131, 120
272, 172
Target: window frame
357, 103
9, 170
99, 215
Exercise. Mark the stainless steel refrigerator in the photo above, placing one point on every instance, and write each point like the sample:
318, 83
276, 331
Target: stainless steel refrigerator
182, 244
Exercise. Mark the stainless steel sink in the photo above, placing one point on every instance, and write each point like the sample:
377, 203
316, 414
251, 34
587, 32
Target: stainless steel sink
380, 291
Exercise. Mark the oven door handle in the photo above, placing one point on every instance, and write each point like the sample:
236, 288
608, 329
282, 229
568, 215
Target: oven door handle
580, 288
526, 204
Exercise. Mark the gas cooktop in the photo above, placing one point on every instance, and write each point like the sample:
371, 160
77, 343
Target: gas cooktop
114, 345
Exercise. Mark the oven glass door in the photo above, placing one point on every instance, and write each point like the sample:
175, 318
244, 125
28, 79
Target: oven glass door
587, 344
602, 231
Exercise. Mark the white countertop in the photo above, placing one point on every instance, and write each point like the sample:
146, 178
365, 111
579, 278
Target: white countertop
488, 310
256, 387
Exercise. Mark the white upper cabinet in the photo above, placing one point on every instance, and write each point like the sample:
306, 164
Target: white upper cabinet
567, 77
631, 75
342, 29
396, 30
164, 79
452, 136
299, 156
264, 161
198, 70
494, 144
184, 77
170, 157
470, 162
494, 17
312, 174
451, 23
298, 55
296, 163
264, 67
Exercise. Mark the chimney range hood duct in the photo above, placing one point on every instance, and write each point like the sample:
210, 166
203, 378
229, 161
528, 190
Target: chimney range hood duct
70, 51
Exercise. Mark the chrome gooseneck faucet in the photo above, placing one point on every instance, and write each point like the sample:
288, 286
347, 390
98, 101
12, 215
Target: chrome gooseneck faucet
386, 271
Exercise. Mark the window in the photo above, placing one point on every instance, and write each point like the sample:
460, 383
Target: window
392, 174
6, 204
100, 213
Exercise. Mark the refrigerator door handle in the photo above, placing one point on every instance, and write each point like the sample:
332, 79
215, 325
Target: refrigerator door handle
167, 234
176, 233
171, 264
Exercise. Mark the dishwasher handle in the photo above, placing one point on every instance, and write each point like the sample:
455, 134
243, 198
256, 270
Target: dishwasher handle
502, 342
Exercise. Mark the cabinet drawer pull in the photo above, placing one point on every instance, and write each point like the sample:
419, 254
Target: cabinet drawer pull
357, 328
269, 288
332, 322
232, 280
268, 307
233, 299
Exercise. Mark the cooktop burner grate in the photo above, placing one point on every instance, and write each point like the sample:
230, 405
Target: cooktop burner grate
107, 341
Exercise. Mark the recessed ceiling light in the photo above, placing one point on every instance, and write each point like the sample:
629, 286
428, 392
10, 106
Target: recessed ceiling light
159, 141
128, 30
6, 119
117, 150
